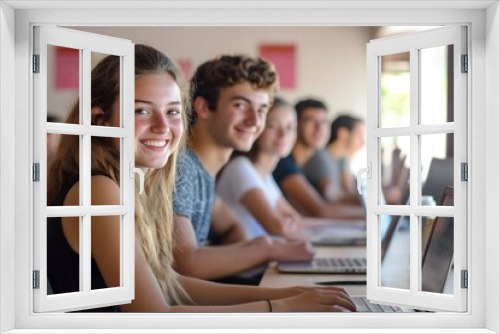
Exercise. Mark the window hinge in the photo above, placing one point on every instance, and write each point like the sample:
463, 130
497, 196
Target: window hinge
464, 171
36, 172
36, 279
36, 63
465, 64
465, 279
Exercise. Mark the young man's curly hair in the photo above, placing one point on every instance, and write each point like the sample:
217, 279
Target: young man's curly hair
226, 71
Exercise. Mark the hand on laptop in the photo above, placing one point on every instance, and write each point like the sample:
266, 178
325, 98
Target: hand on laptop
332, 299
292, 251
292, 224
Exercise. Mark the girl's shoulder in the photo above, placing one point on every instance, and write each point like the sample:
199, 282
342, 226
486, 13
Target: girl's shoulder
240, 161
103, 191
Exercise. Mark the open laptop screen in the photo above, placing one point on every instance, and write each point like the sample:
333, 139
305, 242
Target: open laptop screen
438, 256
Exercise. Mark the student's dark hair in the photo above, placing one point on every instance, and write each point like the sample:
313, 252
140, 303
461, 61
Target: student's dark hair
343, 121
229, 70
309, 103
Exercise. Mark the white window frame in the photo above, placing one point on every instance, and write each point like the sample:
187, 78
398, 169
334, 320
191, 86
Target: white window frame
413, 43
483, 103
86, 43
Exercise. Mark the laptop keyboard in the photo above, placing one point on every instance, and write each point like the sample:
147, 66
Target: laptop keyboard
364, 305
354, 263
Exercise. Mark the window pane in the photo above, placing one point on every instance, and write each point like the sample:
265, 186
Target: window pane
395, 167
63, 259
105, 155
395, 90
437, 256
63, 84
395, 251
56, 180
111, 108
437, 166
436, 85
108, 249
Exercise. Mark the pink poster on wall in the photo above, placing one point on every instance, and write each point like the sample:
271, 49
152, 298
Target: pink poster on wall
186, 67
284, 59
67, 63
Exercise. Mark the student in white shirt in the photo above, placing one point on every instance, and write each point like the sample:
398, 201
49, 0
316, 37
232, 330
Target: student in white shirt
246, 183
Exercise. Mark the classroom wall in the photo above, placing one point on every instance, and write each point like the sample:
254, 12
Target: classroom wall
331, 61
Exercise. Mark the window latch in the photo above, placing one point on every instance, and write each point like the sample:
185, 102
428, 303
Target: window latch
139, 171
368, 172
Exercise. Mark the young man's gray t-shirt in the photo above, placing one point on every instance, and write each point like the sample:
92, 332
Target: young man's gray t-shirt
322, 165
194, 193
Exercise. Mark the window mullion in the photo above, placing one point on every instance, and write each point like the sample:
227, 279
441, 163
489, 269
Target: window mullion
414, 174
427, 129
85, 170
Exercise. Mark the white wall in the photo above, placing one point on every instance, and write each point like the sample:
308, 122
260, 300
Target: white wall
331, 60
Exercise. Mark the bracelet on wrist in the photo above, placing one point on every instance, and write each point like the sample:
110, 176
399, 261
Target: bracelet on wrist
270, 305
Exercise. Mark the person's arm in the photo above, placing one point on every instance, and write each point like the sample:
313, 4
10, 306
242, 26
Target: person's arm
209, 293
256, 203
225, 225
329, 189
148, 295
221, 261
105, 243
287, 210
303, 196
336, 193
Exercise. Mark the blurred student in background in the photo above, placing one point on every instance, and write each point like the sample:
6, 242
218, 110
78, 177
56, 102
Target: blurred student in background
231, 96
160, 124
329, 168
312, 134
246, 183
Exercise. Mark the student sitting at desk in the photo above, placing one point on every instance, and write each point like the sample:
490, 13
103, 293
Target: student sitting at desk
328, 169
246, 183
312, 134
231, 96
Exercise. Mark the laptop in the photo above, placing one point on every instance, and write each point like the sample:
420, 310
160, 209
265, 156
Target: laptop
439, 177
346, 265
437, 260
336, 232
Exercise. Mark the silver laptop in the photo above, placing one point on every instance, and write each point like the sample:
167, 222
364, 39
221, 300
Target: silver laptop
338, 265
346, 265
437, 260
338, 233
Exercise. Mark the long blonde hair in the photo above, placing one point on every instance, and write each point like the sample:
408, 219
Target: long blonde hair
153, 209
